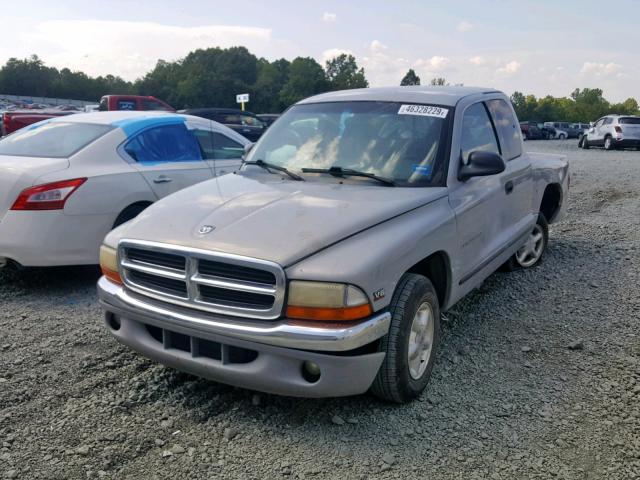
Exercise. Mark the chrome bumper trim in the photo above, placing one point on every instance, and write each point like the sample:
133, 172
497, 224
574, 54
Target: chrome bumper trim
283, 333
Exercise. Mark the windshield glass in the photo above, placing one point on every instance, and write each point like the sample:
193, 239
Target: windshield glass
401, 142
52, 139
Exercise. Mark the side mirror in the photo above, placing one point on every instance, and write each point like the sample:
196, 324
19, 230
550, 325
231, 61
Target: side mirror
247, 149
481, 164
592, 124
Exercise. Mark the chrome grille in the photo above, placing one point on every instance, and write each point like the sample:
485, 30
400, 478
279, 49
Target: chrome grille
214, 282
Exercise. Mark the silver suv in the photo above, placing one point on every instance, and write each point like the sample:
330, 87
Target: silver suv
612, 132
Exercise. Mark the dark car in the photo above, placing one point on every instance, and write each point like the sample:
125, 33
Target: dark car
245, 123
268, 118
531, 131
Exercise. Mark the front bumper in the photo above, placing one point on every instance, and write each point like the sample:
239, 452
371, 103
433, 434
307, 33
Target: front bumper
178, 337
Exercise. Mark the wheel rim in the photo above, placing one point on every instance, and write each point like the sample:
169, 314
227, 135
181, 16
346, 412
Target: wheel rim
607, 143
420, 341
531, 251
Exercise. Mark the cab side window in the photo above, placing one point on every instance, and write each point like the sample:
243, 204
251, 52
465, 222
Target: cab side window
168, 143
477, 132
507, 127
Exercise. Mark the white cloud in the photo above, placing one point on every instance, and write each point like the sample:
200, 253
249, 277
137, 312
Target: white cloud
329, 17
435, 63
478, 61
464, 26
510, 68
331, 53
130, 49
377, 46
600, 69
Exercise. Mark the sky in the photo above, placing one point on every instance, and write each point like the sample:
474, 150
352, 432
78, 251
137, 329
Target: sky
540, 47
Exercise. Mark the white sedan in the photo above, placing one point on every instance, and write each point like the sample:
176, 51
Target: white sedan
66, 182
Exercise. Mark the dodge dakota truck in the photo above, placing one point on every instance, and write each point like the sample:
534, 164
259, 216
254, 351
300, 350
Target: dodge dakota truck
321, 267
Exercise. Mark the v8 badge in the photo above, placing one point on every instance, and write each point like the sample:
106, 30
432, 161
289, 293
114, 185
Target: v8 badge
378, 294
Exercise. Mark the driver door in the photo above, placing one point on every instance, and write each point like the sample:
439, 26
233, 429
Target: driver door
479, 202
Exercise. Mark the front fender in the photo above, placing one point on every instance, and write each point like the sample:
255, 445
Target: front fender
375, 259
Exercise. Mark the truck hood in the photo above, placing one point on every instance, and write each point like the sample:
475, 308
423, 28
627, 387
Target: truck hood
18, 173
278, 220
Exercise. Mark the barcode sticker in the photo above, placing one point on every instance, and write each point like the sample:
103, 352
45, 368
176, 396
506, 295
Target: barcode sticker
424, 110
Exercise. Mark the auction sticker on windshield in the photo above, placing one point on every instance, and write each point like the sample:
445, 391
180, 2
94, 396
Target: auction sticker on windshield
424, 110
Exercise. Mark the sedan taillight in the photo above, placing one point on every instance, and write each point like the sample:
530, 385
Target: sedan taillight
50, 196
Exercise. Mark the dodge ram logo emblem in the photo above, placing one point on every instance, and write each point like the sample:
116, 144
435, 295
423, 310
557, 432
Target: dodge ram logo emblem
204, 229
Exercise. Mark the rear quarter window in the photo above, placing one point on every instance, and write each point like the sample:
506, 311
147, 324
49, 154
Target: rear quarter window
629, 120
52, 139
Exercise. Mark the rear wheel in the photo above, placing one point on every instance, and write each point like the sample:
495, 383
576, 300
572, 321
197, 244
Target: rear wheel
412, 341
530, 254
608, 143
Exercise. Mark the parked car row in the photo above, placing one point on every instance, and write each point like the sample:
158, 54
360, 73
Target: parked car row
245, 123
551, 130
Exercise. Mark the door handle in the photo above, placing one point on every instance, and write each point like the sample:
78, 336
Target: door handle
508, 187
162, 179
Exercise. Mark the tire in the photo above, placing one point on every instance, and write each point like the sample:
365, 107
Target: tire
562, 136
396, 382
585, 143
608, 143
129, 213
518, 261
581, 142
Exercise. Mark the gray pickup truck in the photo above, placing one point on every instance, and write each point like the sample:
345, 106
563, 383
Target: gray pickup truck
321, 267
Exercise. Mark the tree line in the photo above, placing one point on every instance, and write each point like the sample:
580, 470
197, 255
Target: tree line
205, 77
213, 77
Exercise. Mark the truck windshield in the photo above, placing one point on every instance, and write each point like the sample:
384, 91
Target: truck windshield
401, 142
51, 139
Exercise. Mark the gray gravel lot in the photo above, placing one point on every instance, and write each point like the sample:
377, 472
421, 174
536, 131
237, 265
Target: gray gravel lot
538, 377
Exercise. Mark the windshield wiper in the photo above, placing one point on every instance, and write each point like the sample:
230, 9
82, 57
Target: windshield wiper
270, 166
348, 172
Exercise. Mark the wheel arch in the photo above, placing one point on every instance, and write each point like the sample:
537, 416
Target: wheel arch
551, 201
141, 204
437, 268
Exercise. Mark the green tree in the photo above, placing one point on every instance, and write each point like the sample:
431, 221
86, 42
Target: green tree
272, 77
306, 78
439, 81
343, 73
410, 78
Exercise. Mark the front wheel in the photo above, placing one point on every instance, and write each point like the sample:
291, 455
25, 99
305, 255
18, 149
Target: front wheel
585, 143
530, 254
412, 342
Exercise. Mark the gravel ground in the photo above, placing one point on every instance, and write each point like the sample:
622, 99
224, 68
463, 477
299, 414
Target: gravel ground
538, 377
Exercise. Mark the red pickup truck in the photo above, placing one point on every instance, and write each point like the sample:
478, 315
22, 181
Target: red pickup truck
12, 121
133, 102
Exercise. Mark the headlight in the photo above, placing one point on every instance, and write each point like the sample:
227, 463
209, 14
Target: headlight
326, 301
109, 263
